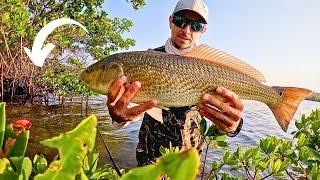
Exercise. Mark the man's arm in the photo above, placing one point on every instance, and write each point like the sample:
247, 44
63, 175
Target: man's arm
119, 110
225, 114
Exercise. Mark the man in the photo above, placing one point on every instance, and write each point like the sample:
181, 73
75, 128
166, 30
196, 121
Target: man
187, 24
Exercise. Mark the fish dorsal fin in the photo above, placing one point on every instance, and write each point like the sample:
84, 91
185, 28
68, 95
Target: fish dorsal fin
216, 56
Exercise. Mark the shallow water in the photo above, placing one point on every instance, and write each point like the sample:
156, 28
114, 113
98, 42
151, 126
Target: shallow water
49, 121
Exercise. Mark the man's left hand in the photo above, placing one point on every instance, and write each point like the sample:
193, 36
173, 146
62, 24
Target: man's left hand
225, 114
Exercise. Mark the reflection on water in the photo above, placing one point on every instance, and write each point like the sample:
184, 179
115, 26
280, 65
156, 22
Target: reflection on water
49, 121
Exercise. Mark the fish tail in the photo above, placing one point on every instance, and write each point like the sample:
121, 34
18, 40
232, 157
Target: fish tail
291, 98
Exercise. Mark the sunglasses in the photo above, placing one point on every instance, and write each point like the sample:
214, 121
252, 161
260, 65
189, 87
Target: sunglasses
182, 22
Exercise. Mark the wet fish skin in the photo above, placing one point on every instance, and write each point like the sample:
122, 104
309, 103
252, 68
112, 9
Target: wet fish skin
176, 81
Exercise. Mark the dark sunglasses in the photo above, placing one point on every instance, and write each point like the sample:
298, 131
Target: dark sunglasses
182, 22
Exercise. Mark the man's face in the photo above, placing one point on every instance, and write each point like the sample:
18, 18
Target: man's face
185, 37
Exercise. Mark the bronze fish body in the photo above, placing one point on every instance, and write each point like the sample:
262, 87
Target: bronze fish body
176, 81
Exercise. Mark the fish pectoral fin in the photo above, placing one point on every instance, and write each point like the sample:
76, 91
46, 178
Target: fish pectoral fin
216, 56
156, 113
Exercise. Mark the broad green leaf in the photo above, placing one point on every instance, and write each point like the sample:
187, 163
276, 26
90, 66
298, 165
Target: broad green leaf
276, 166
20, 169
222, 144
215, 165
6, 171
184, 165
20, 146
284, 165
302, 140
226, 156
232, 160
2, 122
304, 153
73, 146
262, 165
247, 154
23, 166
268, 145
148, 172
316, 126
214, 131
220, 138
313, 152
4, 162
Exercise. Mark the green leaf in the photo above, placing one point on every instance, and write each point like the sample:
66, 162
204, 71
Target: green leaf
302, 140
313, 152
316, 126
268, 145
304, 154
215, 166
284, 165
90, 162
6, 19
20, 146
143, 173
226, 156
203, 126
2, 122
20, 169
219, 138
276, 166
23, 166
239, 154
6, 171
222, 144
262, 165
247, 154
184, 165
39, 163
73, 146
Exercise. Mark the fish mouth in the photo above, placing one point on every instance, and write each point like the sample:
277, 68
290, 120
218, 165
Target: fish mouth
83, 77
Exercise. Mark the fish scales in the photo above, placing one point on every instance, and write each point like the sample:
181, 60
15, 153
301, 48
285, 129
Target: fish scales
176, 81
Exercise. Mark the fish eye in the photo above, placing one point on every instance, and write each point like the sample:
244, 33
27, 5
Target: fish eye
281, 93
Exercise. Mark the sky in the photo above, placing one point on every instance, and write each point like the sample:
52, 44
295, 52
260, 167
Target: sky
279, 38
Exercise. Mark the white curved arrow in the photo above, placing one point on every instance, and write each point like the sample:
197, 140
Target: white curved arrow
38, 55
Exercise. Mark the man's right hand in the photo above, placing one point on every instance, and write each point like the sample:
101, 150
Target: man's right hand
119, 110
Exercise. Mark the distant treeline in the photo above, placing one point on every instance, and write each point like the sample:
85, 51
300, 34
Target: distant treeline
314, 97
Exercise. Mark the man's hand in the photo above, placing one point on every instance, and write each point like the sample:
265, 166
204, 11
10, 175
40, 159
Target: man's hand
225, 114
119, 110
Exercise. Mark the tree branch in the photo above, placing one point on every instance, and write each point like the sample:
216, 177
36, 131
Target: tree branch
205, 159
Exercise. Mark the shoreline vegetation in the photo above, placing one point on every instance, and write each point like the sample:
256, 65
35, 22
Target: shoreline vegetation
20, 21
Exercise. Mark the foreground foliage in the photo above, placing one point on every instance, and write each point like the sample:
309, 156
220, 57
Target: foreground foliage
278, 158
78, 159
272, 158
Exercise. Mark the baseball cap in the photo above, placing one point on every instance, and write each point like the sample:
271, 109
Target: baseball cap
193, 5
